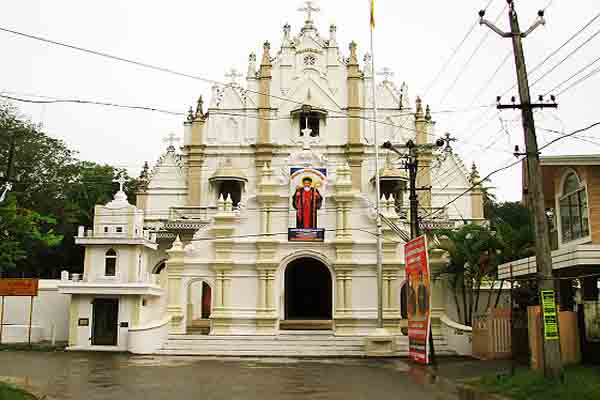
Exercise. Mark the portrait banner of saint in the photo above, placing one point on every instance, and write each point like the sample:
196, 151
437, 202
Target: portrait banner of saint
306, 201
307, 198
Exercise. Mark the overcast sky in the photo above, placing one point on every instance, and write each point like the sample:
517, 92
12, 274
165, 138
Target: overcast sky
413, 38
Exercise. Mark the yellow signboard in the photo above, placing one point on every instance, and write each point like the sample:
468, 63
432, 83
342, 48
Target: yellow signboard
549, 315
18, 287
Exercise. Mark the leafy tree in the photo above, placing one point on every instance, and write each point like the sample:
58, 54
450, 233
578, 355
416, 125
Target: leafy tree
22, 232
49, 180
513, 222
472, 258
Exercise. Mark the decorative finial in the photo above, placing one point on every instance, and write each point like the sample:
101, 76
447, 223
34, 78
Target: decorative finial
252, 65
332, 35
286, 31
171, 139
419, 110
428, 113
190, 116
177, 244
266, 57
144, 176
475, 178
353, 57
200, 108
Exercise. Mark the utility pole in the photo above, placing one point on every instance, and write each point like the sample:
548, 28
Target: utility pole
412, 165
551, 348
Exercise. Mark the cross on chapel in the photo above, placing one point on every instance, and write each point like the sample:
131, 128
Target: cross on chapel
121, 181
386, 73
233, 76
309, 9
171, 139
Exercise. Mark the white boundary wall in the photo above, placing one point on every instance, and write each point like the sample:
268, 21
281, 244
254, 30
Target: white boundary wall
50, 315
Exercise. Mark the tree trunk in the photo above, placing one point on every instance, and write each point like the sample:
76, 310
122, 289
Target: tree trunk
489, 298
499, 293
465, 310
458, 313
477, 292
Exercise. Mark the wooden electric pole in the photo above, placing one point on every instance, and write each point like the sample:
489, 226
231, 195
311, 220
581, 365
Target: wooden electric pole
412, 165
551, 348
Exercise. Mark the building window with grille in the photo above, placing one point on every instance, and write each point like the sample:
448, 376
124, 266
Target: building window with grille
110, 263
574, 220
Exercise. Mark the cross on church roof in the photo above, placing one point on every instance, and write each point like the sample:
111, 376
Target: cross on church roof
171, 139
121, 181
233, 75
309, 9
386, 73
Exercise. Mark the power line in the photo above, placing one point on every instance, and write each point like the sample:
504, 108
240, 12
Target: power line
572, 76
557, 50
99, 103
171, 71
454, 53
466, 65
585, 78
566, 58
519, 160
541, 63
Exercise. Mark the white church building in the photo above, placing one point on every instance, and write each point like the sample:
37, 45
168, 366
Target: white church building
258, 235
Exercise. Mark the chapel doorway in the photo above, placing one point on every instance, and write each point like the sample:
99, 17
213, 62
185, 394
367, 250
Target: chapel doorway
105, 317
308, 295
199, 307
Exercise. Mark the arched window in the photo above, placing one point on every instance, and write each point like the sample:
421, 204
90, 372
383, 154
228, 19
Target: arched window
110, 263
573, 209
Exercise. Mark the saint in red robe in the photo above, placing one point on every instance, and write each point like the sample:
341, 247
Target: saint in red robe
306, 203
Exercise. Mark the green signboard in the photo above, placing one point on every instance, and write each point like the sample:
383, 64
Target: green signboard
549, 315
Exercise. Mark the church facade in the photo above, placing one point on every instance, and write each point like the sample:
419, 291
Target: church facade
264, 221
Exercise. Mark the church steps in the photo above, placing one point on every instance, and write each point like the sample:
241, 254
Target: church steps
297, 344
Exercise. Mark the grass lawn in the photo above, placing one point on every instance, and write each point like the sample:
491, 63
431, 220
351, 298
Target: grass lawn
580, 383
10, 392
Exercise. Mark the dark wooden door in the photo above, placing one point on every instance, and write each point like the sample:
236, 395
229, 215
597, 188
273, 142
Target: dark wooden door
105, 318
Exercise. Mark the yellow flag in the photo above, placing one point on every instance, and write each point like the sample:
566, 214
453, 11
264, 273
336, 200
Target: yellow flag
372, 13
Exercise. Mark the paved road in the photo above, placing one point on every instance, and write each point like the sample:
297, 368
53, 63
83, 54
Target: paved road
118, 376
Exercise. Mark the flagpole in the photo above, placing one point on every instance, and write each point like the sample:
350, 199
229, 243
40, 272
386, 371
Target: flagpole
377, 183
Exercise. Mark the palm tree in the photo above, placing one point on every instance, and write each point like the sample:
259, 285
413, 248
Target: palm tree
472, 257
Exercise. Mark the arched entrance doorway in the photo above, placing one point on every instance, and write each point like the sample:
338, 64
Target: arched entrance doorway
199, 307
308, 290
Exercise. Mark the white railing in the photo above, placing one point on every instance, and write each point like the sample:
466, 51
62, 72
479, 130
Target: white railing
147, 339
458, 336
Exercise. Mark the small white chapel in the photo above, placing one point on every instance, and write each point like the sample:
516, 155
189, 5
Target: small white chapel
257, 236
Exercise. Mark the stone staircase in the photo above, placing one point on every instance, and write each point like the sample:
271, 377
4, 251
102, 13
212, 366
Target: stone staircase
286, 344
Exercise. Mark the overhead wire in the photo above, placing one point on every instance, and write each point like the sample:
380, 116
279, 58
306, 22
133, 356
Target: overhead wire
465, 67
172, 71
454, 53
538, 65
519, 160
579, 71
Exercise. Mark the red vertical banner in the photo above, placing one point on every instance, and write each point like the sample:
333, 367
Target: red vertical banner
418, 298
